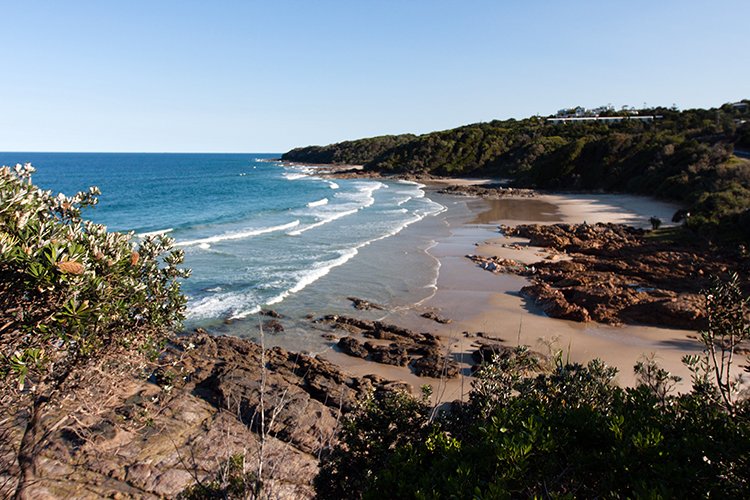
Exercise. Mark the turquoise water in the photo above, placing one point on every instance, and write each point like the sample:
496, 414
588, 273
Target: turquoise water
256, 233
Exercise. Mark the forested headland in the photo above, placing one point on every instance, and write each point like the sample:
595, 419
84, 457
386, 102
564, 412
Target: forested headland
695, 157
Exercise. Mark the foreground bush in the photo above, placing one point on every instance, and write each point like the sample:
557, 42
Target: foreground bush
566, 431
71, 292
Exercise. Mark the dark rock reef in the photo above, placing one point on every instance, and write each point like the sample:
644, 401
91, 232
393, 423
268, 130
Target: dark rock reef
617, 274
489, 191
394, 345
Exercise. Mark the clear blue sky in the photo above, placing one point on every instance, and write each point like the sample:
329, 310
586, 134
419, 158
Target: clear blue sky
266, 76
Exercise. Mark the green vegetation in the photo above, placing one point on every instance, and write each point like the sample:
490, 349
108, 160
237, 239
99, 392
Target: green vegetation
684, 156
71, 293
350, 152
561, 431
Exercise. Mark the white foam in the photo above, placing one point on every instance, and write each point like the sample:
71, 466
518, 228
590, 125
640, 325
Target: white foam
412, 183
245, 313
333, 185
238, 235
294, 176
318, 203
318, 271
324, 220
324, 268
204, 246
364, 194
433, 284
241, 305
219, 305
154, 233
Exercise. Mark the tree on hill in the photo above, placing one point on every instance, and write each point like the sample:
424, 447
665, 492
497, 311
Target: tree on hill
684, 156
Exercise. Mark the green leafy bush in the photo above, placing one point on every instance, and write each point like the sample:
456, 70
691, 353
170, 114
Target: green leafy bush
531, 430
71, 293
71, 290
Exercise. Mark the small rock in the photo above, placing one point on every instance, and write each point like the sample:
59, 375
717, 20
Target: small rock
364, 305
435, 367
352, 347
273, 326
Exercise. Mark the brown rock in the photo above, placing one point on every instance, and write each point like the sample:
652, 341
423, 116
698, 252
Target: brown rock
143, 442
273, 326
352, 347
435, 366
434, 317
392, 354
553, 303
364, 305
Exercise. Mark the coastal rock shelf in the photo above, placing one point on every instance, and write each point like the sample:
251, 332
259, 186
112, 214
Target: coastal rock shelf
151, 439
617, 274
393, 345
488, 191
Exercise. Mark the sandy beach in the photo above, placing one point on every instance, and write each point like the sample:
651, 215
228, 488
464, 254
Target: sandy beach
479, 301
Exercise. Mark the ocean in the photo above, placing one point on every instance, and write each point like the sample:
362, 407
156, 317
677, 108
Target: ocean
260, 234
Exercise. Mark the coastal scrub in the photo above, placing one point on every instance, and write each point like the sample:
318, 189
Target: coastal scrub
71, 293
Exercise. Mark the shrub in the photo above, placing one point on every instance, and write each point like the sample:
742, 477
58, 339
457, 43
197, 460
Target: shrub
70, 292
563, 431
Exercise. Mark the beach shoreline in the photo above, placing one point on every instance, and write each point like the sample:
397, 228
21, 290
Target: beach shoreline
482, 304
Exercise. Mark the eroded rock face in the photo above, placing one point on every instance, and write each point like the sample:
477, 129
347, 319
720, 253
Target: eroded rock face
616, 275
212, 398
352, 347
496, 264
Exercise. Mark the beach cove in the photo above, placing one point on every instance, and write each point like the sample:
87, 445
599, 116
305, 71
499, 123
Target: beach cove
474, 300
411, 307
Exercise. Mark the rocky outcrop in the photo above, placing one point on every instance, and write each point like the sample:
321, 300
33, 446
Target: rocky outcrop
211, 399
554, 303
271, 313
364, 305
435, 366
577, 237
394, 345
352, 347
391, 354
436, 318
379, 330
496, 264
490, 350
490, 191
273, 326
615, 274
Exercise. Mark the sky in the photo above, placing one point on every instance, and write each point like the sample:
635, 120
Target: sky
267, 76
